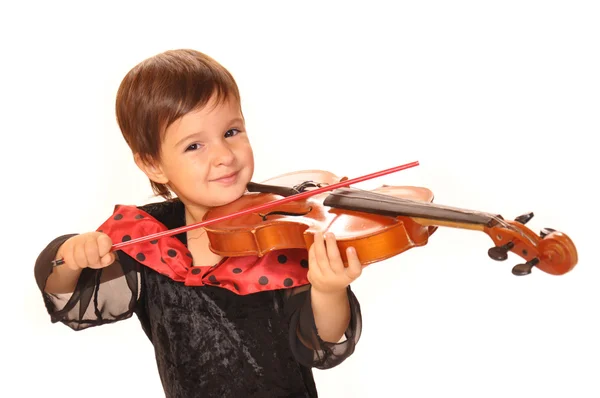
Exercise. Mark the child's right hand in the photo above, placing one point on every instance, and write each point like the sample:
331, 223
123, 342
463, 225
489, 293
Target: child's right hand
88, 250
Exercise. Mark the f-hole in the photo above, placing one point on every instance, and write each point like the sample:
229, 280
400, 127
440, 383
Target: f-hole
283, 213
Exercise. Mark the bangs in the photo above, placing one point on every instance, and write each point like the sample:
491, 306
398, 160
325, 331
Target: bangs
192, 90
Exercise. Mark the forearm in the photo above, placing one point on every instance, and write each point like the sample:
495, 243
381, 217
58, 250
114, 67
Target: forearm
331, 312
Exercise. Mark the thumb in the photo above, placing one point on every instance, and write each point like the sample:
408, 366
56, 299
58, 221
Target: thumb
108, 259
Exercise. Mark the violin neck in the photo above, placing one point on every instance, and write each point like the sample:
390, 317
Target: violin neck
274, 189
425, 213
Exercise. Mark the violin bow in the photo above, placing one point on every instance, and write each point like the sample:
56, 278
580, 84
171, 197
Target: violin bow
298, 196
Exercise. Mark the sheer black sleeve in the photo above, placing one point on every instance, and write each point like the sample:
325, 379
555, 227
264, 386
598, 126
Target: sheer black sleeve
306, 344
101, 296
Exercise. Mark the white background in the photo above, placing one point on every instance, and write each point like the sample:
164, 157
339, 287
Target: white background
498, 101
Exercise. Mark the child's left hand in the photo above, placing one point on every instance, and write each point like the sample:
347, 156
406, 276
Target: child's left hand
326, 271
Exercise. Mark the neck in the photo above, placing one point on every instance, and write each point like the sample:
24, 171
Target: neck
193, 213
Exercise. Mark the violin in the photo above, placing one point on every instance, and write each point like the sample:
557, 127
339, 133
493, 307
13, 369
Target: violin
284, 212
379, 223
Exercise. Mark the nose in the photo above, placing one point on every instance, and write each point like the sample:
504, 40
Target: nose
222, 154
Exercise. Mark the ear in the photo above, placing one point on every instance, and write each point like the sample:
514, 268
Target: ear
151, 169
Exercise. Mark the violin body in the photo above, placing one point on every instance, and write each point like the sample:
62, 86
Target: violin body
379, 223
293, 225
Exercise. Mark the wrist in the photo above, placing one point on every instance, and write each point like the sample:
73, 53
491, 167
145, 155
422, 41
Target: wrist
329, 293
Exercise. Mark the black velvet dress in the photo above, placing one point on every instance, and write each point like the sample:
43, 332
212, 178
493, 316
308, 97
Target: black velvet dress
208, 341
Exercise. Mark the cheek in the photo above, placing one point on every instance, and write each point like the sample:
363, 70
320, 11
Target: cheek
196, 167
244, 153
187, 168
249, 158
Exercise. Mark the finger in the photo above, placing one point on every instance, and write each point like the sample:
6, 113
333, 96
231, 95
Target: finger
104, 244
68, 254
91, 251
79, 255
333, 254
313, 263
320, 252
313, 266
108, 259
355, 267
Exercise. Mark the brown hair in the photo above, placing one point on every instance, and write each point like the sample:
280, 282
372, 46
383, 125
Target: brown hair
160, 90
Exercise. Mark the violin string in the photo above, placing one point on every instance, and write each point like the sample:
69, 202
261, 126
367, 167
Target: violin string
369, 195
422, 204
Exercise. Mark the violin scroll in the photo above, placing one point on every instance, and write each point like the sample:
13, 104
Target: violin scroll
551, 251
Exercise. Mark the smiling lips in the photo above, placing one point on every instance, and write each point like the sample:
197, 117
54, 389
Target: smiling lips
227, 179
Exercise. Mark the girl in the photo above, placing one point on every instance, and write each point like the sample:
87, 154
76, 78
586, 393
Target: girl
220, 327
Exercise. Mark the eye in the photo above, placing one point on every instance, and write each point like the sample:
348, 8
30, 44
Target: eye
192, 147
231, 132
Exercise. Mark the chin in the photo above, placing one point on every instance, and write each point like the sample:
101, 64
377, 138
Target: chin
223, 196
226, 199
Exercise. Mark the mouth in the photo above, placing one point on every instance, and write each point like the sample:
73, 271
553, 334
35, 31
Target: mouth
226, 179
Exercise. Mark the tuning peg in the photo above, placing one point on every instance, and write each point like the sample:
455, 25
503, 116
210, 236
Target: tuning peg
546, 231
524, 218
525, 269
500, 253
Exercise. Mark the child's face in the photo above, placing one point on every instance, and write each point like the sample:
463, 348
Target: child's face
206, 157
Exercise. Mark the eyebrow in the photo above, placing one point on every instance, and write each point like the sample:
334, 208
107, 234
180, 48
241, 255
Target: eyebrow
200, 133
